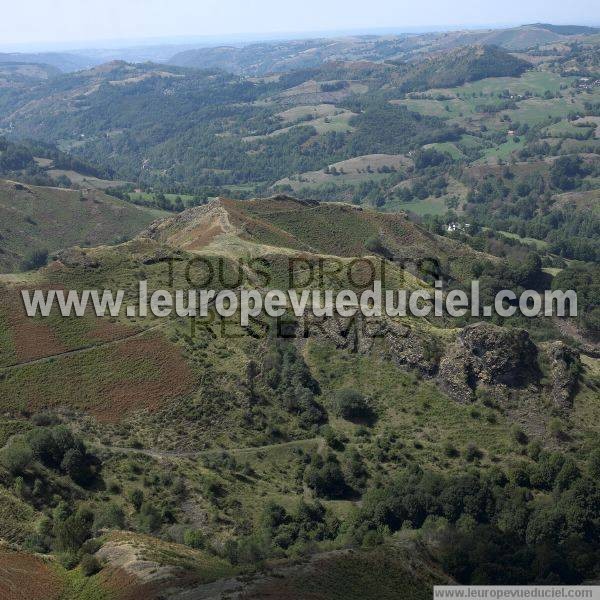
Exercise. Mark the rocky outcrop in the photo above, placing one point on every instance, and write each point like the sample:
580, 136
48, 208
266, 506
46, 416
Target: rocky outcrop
488, 356
483, 359
564, 367
76, 257
383, 337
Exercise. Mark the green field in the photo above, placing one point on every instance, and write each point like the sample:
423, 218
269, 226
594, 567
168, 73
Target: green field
429, 206
536, 82
539, 244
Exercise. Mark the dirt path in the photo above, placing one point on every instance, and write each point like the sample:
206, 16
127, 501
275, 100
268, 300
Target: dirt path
166, 454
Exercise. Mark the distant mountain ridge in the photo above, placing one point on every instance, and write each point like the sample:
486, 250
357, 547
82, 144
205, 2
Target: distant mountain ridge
62, 61
259, 59
568, 29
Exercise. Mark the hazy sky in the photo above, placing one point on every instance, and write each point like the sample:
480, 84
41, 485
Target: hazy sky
86, 21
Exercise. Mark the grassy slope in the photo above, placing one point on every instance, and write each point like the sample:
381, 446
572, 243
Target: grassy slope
415, 411
384, 573
338, 229
53, 218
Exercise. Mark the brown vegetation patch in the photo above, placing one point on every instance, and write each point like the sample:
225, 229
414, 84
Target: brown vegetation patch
203, 236
106, 331
167, 378
110, 382
32, 338
27, 577
126, 586
253, 227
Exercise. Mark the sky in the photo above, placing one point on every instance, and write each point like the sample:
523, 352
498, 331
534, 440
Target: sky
85, 23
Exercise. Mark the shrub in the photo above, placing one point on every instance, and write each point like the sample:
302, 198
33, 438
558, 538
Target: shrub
68, 560
450, 450
149, 518
114, 487
17, 457
371, 539
57, 447
90, 546
333, 440
518, 435
555, 427
547, 469
73, 531
75, 466
36, 542
325, 477
352, 405
472, 453
194, 539
568, 474
376, 246
44, 419
35, 260
136, 497
534, 449
594, 464
109, 516
44, 446
90, 565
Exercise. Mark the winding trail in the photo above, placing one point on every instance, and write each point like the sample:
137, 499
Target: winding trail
166, 454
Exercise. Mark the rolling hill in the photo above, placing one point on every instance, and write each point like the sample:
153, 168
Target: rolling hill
460, 66
144, 139
14, 74
284, 222
36, 218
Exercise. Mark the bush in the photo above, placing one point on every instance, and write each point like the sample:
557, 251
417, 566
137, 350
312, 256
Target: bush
518, 435
35, 260
450, 451
57, 447
90, 546
534, 450
90, 565
333, 440
326, 478
136, 497
555, 427
109, 516
17, 457
376, 246
36, 542
352, 406
149, 518
72, 532
472, 453
75, 466
594, 464
68, 560
113, 487
194, 539
372, 538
